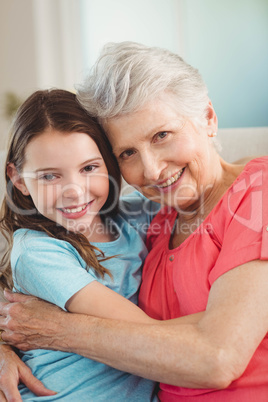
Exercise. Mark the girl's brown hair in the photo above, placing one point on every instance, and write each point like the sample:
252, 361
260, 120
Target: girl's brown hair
59, 110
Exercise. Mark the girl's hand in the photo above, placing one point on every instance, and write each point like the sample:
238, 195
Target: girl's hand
12, 372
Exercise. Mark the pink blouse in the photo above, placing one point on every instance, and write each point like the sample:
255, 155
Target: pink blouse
177, 282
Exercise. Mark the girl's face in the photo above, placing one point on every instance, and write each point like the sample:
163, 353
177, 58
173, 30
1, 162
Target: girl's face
67, 178
164, 155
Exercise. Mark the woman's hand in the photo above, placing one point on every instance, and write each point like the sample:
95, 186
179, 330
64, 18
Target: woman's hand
30, 323
12, 372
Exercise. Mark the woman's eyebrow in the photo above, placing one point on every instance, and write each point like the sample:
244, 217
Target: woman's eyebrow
119, 149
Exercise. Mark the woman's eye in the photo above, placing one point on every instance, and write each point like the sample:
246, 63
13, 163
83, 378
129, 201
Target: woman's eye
162, 135
127, 154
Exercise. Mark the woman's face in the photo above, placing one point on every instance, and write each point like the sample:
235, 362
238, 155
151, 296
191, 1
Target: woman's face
165, 156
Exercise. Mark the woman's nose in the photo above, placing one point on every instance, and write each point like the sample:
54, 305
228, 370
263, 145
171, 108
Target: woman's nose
152, 167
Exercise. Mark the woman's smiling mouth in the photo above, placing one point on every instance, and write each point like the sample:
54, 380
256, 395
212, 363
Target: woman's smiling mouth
172, 179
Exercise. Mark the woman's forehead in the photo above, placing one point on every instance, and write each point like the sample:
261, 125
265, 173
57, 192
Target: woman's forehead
149, 120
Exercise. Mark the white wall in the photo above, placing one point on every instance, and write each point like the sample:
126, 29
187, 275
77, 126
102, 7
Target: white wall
58, 42
228, 42
39, 48
152, 22
47, 43
238, 143
18, 57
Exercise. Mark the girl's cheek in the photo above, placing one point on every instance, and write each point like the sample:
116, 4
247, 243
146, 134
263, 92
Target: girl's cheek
46, 195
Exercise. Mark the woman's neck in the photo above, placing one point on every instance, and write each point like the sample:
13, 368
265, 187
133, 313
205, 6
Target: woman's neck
191, 218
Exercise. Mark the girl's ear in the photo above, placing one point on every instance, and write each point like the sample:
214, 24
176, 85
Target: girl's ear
16, 179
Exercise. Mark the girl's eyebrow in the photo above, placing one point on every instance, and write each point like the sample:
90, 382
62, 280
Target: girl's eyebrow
45, 169
95, 158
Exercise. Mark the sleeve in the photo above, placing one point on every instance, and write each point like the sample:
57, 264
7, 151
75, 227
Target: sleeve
138, 211
245, 217
48, 268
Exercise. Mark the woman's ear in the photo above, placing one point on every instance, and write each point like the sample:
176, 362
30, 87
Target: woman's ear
211, 119
16, 179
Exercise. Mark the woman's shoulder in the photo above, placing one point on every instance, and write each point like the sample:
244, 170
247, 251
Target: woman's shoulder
245, 199
254, 174
256, 164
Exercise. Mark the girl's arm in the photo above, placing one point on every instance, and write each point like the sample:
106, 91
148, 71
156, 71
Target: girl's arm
97, 300
210, 353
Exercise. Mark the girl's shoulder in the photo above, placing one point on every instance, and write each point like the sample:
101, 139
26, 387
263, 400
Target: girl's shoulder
30, 240
137, 211
28, 233
136, 203
28, 237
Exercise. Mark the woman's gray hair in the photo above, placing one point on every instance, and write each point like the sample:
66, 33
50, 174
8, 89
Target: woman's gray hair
127, 75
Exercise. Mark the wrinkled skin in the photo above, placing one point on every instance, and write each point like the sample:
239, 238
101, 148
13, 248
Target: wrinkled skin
30, 323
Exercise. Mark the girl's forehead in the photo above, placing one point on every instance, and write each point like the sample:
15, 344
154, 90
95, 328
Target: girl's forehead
55, 137
58, 146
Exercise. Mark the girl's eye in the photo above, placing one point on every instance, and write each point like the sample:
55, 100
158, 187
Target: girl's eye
89, 168
127, 154
48, 177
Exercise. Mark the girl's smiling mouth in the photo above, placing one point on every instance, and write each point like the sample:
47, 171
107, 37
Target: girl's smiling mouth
75, 212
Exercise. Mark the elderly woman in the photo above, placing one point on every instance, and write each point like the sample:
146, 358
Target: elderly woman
208, 246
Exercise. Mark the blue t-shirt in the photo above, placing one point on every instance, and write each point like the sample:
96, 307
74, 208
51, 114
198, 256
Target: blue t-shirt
53, 270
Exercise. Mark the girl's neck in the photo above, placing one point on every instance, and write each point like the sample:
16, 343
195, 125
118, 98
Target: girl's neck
100, 231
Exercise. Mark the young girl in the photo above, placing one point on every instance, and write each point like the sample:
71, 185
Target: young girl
70, 241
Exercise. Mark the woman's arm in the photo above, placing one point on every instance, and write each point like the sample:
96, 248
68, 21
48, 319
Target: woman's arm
95, 299
210, 353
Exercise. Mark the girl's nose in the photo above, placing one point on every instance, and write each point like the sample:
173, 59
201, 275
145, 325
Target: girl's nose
72, 191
